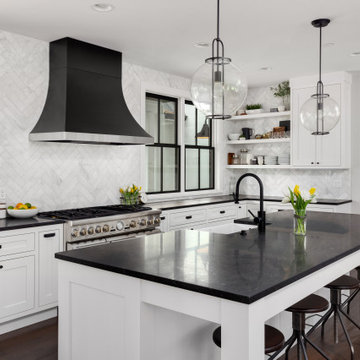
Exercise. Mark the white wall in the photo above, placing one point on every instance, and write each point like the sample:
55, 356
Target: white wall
329, 183
355, 144
55, 176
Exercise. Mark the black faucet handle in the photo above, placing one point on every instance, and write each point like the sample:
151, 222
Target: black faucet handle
251, 213
256, 218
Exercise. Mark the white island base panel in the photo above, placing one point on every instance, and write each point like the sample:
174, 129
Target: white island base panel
104, 315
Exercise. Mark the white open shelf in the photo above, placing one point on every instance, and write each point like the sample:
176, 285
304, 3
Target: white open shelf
257, 141
263, 167
259, 166
261, 115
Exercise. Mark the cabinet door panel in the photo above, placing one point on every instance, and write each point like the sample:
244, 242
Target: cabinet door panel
17, 281
304, 144
328, 151
49, 244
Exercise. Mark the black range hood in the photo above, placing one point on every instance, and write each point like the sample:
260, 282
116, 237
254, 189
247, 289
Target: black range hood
85, 102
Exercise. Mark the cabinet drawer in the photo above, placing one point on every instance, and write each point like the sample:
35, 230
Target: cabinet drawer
187, 217
222, 212
16, 244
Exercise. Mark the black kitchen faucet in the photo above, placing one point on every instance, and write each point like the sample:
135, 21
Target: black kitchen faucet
260, 220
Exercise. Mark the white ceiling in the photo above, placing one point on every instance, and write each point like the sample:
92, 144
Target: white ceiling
160, 34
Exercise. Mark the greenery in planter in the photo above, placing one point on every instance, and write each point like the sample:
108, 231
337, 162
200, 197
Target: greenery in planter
282, 90
253, 107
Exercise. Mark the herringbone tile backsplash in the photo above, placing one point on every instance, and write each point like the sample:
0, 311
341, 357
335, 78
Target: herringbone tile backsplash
55, 176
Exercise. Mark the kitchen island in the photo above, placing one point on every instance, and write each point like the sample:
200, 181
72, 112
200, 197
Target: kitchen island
110, 295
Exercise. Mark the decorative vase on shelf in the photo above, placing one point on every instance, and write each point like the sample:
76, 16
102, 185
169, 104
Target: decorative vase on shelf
300, 224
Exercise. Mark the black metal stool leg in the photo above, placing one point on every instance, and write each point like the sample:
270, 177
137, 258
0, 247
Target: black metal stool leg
336, 332
349, 318
322, 319
288, 346
302, 346
348, 301
307, 340
346, 335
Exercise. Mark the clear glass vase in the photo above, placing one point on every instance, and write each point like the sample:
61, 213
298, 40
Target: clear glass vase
130, 200
300, 224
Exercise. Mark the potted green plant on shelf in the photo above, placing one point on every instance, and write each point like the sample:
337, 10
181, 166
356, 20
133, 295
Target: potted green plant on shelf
299, 202
282, 90
253, 109
130, 195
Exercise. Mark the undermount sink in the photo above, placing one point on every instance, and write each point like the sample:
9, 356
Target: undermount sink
230, 228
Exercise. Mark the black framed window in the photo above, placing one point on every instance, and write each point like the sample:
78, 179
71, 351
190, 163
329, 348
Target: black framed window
163, 157
199, 150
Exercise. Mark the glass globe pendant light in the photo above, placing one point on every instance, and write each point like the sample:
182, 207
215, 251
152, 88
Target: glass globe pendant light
320, 113
218, 88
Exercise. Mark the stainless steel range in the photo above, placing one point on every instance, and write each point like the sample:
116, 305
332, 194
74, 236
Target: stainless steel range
103, 224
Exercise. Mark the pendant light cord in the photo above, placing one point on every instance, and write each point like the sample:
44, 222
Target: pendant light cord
218, 20
320, 53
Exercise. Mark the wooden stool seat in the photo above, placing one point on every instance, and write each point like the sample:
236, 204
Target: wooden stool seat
344, 282
274, 339
311, 304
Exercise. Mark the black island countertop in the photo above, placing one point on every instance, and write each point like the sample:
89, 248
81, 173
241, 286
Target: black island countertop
221, 199
15, 223
241, 268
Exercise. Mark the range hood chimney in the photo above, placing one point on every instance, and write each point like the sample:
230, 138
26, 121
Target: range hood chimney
85, 102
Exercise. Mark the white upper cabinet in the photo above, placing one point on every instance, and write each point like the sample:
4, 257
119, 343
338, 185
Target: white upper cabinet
331, 150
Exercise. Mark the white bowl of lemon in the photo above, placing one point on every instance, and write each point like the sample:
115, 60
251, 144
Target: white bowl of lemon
22, 211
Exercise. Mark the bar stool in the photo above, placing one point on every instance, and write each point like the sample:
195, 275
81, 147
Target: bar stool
274, 339
310, 305
342, 283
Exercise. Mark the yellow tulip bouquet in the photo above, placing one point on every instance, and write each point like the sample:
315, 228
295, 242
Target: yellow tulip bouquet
299, 202
130, 195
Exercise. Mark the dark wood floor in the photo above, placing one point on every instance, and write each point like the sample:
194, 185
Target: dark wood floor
39, 342
35, 342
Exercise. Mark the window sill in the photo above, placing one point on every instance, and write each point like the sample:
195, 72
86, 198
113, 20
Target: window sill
184, 195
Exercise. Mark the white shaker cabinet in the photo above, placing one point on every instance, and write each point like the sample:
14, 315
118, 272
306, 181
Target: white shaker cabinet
28, 275
17, 283
330, 150
49, 244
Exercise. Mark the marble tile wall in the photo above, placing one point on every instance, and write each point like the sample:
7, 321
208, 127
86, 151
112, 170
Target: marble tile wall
330, 183
57, 176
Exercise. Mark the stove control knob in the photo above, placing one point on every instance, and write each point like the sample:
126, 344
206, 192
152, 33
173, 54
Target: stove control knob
120, 225
98, 229
83, 232
157, 221
132, 223
90, 231
150, 222
106, 228
142, 222
75, 233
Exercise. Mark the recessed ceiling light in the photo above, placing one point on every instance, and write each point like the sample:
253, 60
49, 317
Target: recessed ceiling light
103, 7
266, 68
355, 53
201, 44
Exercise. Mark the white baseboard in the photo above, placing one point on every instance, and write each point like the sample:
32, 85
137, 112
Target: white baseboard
27, 320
